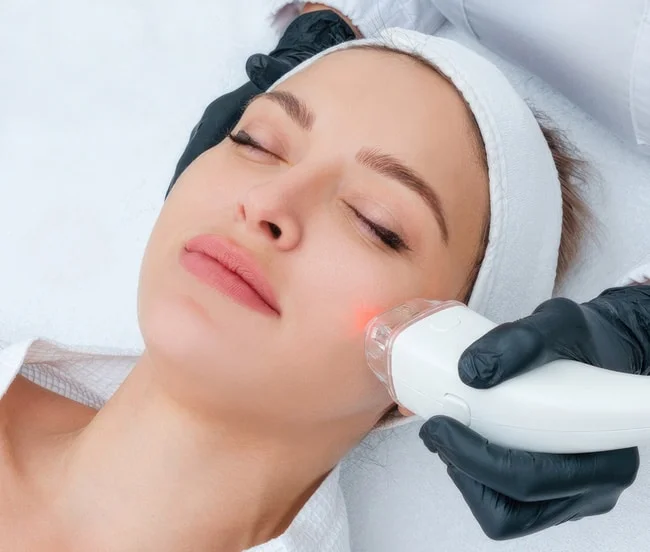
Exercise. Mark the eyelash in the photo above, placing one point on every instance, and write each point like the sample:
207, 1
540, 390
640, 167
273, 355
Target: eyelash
388, 237
242, 138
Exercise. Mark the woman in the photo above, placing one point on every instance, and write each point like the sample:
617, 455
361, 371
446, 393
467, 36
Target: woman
272, 251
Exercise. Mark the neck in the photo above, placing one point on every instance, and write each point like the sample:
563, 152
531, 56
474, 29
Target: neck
148, 474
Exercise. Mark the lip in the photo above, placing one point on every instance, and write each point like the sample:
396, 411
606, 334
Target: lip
207, 255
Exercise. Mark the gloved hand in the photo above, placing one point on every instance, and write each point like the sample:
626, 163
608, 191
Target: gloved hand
307, 35
514, 493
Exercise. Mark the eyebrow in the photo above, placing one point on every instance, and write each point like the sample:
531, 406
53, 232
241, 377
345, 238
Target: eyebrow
294, 106
391, 167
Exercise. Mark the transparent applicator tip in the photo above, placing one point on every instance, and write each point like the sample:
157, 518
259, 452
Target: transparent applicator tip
383, 329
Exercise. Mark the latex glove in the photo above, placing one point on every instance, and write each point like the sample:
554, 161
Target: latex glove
514, 493
307, 35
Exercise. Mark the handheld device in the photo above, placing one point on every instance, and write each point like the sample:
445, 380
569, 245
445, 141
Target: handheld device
561, 407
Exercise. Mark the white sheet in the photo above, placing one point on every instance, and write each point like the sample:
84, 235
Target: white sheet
96, 102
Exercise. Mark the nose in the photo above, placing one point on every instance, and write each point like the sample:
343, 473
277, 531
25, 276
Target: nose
277, 225
279, 208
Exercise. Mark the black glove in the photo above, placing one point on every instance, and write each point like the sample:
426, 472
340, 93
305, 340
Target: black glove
514, 493
307, 35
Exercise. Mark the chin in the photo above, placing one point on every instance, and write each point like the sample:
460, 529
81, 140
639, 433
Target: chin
173, 326
182, 332
206, 364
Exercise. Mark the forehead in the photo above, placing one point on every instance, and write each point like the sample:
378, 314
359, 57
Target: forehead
385, 97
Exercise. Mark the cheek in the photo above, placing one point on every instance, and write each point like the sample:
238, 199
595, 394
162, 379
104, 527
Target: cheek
214, 177
333, 297
361, 315
348, 285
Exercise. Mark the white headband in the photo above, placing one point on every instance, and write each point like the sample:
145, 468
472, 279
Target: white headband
519, 268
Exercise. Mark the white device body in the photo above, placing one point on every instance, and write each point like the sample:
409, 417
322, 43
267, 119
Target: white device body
561, 407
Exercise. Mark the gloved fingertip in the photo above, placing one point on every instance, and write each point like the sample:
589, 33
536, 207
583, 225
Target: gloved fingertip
466, 370
255, 65
428, 434
476, 371
266, 70
436, 433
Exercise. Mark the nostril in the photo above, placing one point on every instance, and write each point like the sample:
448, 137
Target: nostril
276, 232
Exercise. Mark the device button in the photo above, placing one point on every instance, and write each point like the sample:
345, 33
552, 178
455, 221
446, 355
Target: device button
456, 408
443, 322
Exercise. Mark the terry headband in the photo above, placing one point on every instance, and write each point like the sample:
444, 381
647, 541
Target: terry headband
519, 268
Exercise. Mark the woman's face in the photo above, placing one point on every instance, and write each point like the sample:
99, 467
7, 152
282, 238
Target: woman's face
356, 187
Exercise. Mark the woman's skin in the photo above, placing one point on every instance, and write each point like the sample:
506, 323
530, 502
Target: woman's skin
231, 418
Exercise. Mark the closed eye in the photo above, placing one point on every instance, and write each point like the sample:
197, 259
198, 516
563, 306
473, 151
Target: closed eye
388, 237
243, 139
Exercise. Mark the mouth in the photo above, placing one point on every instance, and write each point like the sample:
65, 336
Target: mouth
229, 268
